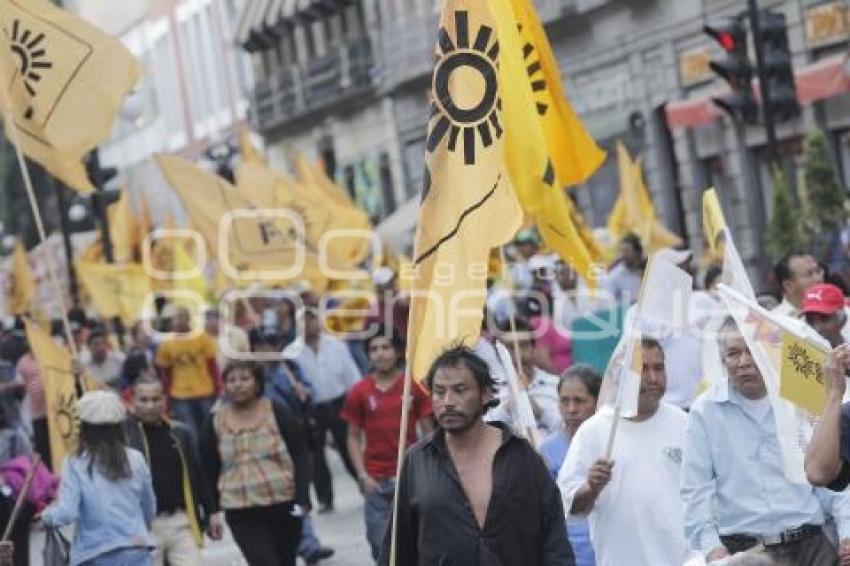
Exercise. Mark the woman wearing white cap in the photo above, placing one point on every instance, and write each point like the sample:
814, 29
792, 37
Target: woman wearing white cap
106, 490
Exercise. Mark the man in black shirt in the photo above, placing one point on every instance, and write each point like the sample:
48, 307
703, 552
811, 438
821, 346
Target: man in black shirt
474, 494
172, 455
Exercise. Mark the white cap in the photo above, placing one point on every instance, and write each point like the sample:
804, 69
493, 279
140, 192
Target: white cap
100, 408
382, 276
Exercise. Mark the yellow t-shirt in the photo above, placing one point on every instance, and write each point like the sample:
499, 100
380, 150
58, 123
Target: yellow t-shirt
188, 359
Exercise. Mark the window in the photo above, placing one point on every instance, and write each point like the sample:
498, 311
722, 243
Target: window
166, 82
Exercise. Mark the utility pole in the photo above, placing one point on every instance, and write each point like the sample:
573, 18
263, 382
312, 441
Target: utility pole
65, 227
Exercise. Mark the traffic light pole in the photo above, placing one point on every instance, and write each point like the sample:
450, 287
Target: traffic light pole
100, 209
764, 85
73, 288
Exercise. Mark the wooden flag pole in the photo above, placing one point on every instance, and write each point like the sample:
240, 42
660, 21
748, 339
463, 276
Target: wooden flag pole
19, 501
532, 434
51, 272
402, 446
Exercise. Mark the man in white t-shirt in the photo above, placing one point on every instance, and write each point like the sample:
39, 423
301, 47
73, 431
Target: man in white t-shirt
632, 501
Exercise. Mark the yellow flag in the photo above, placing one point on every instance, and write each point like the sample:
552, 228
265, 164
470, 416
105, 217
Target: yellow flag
468, 202
116, 289
713, 222
67, 85
633, 210
313, 177
255, 243
123, 229
573, 152
316, 187
801, 374
184, 264
247, 151
60, 393
22, 289
268, 189
529, 131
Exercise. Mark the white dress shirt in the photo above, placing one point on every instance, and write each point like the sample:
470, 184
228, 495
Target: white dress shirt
330, 368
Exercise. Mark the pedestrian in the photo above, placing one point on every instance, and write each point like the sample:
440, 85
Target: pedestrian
14, 444
182, 504
795, 273
615, 493
105, 490
828, 453
624, 278
542, 386
474, 493
286, 387
102, 362
373, 413
326, 363
734, 486
578, 392
189, 371
257, 470
36, 403
824, 308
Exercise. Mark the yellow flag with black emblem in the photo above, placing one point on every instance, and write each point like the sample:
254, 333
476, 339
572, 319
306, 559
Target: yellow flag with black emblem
60, 393
573, 152
534, 129
250, 243
66, 86
116, 290
468, 203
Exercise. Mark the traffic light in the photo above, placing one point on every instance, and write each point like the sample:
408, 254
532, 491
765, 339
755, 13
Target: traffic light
778, 69
734, 68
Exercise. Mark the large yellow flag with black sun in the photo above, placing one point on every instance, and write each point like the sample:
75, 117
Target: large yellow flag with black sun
66, 81
468, 203
547, 146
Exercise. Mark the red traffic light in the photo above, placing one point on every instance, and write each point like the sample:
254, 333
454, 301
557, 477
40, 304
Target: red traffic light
729, 33
726, 41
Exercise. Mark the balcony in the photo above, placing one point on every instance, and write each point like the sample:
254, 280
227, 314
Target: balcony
407, 43
298, 92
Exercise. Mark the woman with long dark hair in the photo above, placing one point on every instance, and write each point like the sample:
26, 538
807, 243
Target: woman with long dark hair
257, 468
106, 490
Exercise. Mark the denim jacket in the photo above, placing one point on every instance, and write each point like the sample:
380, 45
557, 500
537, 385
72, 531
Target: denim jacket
108, 514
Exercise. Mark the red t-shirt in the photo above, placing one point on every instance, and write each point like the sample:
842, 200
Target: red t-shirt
378, 413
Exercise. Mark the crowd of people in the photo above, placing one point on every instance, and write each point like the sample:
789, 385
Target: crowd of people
205, 421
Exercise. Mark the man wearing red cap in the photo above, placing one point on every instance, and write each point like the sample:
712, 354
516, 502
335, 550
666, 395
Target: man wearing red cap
824, 309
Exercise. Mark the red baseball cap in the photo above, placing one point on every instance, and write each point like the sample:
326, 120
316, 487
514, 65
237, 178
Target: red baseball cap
824, 299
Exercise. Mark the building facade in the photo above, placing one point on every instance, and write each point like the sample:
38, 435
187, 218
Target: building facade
347, 81
193, 95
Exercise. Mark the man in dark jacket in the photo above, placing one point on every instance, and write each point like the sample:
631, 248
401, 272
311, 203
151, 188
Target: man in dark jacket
474, 494
171, 451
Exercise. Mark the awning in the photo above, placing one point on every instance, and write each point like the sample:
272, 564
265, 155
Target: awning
818, 81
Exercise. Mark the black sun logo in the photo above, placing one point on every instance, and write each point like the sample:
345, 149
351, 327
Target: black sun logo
535, 73
474, 107
31, 58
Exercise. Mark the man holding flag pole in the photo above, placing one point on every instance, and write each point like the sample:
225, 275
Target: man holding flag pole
621, 450
461, 490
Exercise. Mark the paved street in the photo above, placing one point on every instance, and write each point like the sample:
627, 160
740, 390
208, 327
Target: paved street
342, 530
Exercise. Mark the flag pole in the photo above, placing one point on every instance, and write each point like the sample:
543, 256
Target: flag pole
51, 272
532, 434
612, 434
402, 445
